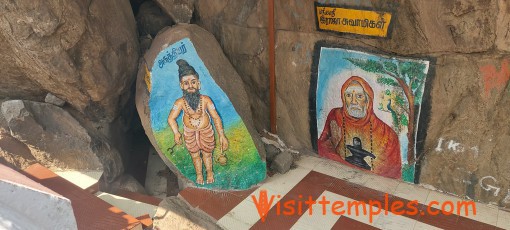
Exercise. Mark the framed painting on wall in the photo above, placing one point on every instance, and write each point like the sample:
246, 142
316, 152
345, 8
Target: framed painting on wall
366, 109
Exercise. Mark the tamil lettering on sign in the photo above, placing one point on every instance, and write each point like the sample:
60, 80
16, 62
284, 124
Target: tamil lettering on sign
353, 21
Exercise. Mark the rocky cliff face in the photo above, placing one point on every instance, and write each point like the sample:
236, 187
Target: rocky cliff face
467, 134
80, 55
84, 52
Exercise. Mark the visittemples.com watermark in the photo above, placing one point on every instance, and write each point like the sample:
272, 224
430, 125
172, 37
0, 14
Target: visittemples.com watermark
349, 208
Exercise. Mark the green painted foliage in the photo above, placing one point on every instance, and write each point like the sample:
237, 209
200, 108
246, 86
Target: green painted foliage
403, 120
367, 65
408, 173
390, 66
413, 73
387, 81
400, 100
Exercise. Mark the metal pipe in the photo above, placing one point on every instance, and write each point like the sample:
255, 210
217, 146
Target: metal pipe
272, 77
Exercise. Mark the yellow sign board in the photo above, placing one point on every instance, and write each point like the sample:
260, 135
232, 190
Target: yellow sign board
363, 22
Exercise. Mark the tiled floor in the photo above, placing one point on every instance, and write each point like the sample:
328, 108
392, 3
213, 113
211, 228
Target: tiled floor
140, 206
90, 212
131, 207
317, 178
83, 179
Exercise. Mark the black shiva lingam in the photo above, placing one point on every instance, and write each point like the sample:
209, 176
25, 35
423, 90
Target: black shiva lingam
358, 153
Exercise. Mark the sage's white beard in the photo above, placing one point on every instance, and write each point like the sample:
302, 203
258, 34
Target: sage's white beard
356, 111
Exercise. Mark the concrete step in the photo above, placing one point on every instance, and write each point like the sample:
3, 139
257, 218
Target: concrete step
131, 207
82, 179
90, 211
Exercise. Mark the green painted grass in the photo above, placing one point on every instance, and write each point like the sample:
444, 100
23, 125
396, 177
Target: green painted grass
408, 173
244, 167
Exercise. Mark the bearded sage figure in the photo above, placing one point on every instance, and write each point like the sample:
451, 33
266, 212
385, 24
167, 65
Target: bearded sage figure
353, 134
198, 111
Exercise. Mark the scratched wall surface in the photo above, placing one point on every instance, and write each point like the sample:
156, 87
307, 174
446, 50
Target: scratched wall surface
468, 134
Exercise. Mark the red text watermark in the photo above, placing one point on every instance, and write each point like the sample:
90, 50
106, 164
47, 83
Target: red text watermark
371, 208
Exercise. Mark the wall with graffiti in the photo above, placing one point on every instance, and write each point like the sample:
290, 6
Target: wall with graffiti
196, 125
367, 109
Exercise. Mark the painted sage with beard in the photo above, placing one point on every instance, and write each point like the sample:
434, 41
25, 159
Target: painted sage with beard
198, 131
357, 122
192, 98
356, 100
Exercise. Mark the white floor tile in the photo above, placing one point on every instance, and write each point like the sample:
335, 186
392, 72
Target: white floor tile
381, 184
308, 162
412, 192
503, 219
423, 226
82, 179
484, 213
441, 198
337, 170
283, 183
246, 212
270, 193
362, 215
326, 221
131, 207
394, 222
231, 223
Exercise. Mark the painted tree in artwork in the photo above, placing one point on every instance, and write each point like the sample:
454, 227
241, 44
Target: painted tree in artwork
410, 76
393, 101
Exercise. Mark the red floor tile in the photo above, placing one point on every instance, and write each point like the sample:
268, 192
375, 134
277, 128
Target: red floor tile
195, 196
219, 204
348, 223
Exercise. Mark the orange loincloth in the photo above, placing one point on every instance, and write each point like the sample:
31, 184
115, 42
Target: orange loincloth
197, 140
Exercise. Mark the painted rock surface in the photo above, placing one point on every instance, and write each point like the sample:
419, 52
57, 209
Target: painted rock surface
367, 110
189, 118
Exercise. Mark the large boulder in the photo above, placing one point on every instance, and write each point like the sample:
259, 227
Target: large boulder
151, 19
84, 52
158, 88
14, 152
247, 49
180, 11
240, 28
57, 140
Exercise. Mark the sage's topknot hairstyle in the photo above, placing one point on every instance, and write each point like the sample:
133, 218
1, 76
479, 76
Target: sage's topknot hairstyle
185, 69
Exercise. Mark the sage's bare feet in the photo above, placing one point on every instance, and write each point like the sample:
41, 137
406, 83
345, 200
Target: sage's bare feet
210, 177
200, 179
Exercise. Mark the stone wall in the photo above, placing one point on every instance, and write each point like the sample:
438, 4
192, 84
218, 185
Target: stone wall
467, 133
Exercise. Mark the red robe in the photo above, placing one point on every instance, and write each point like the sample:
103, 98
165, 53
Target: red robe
376, 136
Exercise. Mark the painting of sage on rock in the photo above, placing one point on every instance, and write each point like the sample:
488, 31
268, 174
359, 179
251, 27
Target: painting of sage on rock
195, 124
